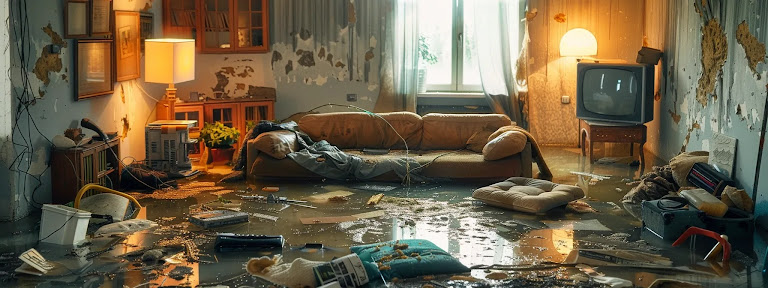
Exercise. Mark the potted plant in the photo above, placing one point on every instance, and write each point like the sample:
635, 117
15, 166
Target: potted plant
426, 58
219, 138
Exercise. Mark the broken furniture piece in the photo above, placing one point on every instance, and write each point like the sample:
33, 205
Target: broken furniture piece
528, 195
726, 246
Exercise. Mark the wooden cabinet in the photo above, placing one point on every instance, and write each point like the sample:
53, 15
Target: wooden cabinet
72, 168
220, 26
238, 113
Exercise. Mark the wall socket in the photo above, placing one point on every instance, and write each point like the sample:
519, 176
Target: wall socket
351, 97
565, 99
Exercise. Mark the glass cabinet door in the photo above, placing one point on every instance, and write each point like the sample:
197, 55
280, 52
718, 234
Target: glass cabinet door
217, 25
251, 25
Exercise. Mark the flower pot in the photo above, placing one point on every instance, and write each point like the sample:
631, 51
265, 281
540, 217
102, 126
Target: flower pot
220, 155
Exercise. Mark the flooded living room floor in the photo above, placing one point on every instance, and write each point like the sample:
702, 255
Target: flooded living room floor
525, 247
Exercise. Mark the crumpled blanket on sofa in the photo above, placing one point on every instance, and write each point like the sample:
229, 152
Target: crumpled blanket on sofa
342, 166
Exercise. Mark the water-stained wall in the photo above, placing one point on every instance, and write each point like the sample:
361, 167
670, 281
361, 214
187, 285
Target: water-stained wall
320, 52
716, 80
618, 27
49, 107
715, 76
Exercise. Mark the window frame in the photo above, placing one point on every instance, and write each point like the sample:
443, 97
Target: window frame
457, 56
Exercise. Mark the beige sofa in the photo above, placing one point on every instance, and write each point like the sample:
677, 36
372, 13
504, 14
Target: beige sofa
435, 140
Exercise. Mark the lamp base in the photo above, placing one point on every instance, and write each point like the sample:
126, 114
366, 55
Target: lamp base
165, 109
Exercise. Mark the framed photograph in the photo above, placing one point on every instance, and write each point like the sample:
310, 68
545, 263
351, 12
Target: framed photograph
76, 18
94, 74
127, 45
147, 24
101, 12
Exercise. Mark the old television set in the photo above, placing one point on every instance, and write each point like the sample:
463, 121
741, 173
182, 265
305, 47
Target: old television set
614, 94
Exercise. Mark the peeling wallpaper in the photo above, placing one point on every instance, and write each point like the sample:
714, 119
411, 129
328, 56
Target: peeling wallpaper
729, 100
320, 52
54, 109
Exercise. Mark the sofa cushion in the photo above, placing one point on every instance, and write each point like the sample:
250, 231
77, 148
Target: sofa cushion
504, 145
528, 195
478, 140
451, 131
357, 130
276, 143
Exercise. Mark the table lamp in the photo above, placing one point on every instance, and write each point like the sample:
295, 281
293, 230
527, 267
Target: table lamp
579, 43
169, 61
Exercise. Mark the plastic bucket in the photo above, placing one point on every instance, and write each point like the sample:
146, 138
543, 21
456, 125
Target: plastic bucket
63, 225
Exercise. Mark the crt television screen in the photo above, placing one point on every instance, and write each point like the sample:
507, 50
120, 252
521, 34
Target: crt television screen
611, 92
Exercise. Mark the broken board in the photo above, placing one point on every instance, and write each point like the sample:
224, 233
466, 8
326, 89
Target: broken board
340, 219
325, 197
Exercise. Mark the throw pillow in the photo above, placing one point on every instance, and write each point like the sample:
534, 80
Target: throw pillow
408, 258
507, 144
277, 144
479, 139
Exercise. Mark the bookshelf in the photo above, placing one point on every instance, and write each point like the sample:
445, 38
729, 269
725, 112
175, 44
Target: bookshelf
74, 167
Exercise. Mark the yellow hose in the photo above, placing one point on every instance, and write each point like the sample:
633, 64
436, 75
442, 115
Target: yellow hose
103, 190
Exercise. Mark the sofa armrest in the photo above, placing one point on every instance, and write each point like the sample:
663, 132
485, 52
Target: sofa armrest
526, 160
251, 153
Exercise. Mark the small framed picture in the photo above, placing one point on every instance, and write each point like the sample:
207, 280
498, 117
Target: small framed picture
93, 71
101, 13
147, 24
76, 18
127, 45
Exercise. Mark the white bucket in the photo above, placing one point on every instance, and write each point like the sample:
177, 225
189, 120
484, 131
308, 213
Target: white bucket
63, 225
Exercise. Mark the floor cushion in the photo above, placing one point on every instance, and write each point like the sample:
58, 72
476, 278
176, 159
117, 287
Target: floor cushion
528, 195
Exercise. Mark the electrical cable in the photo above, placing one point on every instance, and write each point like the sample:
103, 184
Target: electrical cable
407, 178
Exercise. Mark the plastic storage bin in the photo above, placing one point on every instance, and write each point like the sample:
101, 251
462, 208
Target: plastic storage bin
708, 203
63, 225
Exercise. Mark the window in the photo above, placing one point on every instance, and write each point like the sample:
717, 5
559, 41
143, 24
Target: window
446, 28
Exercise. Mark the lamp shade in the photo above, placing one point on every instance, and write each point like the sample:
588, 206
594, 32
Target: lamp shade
169, 61
578, 42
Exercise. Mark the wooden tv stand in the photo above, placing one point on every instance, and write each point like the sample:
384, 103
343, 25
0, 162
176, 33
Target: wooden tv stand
594, 132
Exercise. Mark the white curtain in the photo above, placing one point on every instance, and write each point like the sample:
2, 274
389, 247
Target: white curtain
399, 72
497, 42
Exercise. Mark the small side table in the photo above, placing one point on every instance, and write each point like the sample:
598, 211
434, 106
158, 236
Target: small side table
592, 132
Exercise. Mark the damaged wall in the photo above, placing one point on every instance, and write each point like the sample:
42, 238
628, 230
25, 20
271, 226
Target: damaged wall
52, 105
6, 123
320, 51
711, 85
615, 25
716, 82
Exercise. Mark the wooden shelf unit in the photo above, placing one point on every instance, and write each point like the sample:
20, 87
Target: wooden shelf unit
72, 168
237, 112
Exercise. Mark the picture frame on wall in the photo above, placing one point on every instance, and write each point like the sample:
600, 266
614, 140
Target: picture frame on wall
100, 16
127, 45
94, 73
147, 24
76, 18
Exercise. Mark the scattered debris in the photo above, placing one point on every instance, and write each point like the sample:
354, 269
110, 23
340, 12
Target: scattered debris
217, 218
180, 272
326, 197
593, 176
270, 189
375, 199
579, 206
153, 255
264, 216
125, 227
